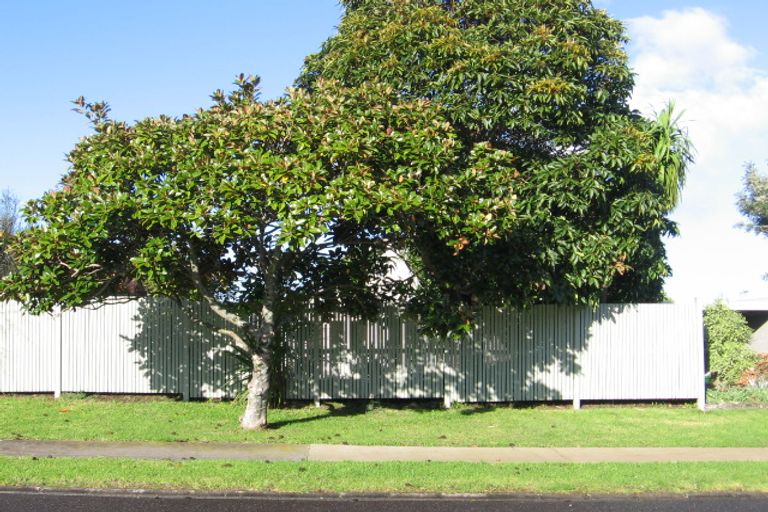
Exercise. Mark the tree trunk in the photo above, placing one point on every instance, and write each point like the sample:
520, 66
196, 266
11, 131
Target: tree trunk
255, 416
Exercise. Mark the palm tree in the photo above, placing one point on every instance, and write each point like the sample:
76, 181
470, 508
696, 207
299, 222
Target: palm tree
673, 152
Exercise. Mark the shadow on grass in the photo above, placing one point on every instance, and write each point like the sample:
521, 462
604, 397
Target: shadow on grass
346, 408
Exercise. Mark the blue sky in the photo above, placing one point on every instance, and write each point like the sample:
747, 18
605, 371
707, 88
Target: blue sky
147, 58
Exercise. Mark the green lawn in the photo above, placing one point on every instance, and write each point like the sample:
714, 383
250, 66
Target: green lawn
38, 417
385, 477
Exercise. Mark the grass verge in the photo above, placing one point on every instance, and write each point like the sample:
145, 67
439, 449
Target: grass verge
736, 395
398, 477
94, 418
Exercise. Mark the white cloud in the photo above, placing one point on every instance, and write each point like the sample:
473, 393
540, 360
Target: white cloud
688, 56
686, 49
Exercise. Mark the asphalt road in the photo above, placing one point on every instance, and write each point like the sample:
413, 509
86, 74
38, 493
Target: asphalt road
33, 501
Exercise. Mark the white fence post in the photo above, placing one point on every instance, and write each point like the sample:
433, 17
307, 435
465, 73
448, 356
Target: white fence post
316, 336
184, 381
701, 400
59, 351
447, 395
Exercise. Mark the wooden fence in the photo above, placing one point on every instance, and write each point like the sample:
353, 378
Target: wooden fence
547, 353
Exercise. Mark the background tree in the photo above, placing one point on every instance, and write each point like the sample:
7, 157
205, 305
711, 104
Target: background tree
9, 223
257, 209
548, 82
753, 200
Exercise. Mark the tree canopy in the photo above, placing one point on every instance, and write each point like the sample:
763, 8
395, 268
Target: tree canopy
753, 200
548, 82
9, 224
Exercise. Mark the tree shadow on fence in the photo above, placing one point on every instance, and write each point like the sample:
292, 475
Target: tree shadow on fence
180, 355
519, 357
525, 356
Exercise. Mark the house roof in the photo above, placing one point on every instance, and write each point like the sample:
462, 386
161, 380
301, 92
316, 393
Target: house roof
750, 301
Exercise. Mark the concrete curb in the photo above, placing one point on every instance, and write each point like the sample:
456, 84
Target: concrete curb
336, 453
346, 453
385, 496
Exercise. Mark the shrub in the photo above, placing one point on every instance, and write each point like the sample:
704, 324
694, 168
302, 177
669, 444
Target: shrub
728, 338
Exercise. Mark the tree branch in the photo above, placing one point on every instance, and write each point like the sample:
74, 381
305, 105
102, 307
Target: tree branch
236, 338
213, 304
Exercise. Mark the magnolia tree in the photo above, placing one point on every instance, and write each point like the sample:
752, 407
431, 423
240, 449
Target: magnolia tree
257, 208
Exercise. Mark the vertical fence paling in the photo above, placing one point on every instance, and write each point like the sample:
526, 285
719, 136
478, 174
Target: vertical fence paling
545, 353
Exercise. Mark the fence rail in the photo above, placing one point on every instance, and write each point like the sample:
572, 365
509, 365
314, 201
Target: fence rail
614, 352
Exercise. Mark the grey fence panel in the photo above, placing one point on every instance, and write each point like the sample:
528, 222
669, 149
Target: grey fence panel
29, 351
650, 351
98, 356
545, 353
142, 346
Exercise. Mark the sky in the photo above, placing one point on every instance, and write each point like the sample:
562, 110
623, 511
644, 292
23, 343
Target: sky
147, 58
